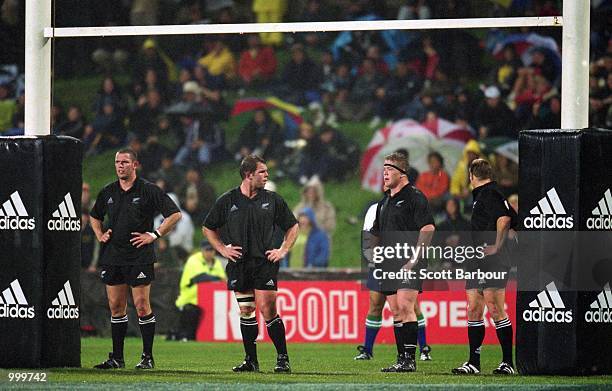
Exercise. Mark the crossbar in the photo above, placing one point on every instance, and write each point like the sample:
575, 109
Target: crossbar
245, 28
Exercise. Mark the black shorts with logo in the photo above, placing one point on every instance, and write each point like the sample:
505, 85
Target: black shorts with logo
132, 275
389, 288
491, 263
246, 275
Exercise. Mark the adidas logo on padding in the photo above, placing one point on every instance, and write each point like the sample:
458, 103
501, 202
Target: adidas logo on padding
64, 306
549, 213
601, 308
603, 211
65, 217
14, 216
548, 307
13, 303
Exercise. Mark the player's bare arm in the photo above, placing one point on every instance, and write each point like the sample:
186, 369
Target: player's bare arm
96, 225
502, 228
288, 242
140, 239
229, 251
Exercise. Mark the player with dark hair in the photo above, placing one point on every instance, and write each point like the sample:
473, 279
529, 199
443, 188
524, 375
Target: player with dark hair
403, 209
240, 226
492, 219
126, 253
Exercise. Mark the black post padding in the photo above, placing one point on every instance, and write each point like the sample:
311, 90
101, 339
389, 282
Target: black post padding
576, 164
34, 260
21, 252
62, 261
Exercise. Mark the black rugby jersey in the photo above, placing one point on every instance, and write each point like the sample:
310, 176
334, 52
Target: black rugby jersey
489, 205
130, 211
250, 222
408, 211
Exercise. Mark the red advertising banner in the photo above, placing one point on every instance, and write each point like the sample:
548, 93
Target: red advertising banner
335, 311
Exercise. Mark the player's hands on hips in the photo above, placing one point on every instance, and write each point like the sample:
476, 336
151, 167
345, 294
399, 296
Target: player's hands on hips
230, 252
276, 255
105, 236
141, 239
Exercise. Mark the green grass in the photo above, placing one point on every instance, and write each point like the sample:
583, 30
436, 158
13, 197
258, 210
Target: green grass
208, 365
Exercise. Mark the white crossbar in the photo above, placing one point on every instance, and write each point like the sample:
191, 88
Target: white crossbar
244, 28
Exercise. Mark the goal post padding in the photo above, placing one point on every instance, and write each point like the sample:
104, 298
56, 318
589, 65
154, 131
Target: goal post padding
564, 269
40, 251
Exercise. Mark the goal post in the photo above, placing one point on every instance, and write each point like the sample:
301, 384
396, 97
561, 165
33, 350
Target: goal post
40, 34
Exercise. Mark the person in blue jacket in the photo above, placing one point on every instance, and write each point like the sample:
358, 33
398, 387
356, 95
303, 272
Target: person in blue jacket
316, 248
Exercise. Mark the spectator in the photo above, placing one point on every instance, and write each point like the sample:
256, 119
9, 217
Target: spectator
151, 155
455, 229
313, 12
270, 11
414, 9
506, 174
545, 115
363, 92
202, 142
89, 244
86, 202
300, 78
201, 267
399, 89
150, 82
335, 89
257, 63
529, 89
109, 94
180, 239
493, 117
74, 125
145, 116
219, 63
434, 183
261, 136
196, 195
309, 154
171, 174
312, 245
313, 197
460, 184
151, 57
507, 70
8, 108
107, 130
339, 154
542, 64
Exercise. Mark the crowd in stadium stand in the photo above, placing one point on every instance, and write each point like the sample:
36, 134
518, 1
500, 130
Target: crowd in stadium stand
182, 88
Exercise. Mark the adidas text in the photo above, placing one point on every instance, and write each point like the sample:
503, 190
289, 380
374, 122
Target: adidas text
554, 221
63, 312
598, 316
600, 222
15, 223
16, 311
65, 217
64, 225
551, 315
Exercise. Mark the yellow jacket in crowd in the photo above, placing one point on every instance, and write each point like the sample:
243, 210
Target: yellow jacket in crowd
195, 266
